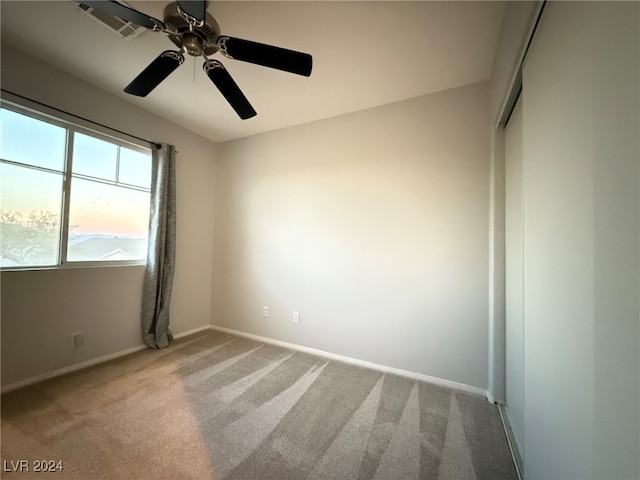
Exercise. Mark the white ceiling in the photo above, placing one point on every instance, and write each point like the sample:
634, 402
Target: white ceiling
365, 54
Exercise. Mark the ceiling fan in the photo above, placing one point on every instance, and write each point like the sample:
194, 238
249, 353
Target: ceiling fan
196, 33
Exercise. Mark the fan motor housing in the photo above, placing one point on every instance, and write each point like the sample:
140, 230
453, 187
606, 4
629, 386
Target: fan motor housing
187, 40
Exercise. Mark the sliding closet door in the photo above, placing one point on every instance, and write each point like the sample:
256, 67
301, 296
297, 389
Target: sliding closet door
514, 307
581, 221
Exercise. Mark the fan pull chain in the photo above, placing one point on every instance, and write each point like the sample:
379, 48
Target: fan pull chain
194, 69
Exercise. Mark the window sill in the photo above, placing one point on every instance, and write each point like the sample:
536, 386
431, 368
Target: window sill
75, 266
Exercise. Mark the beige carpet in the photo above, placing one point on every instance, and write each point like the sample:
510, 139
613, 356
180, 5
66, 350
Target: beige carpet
217, 406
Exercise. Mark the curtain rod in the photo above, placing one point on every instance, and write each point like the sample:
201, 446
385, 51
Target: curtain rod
155, 144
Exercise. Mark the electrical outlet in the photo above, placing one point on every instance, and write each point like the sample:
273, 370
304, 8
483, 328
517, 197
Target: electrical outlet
296, 317
78, 339
265, 312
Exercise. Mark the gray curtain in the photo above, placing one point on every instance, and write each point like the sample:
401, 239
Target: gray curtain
158, 277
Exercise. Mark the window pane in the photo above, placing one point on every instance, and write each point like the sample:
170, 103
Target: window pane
31, 141
107, 222
94, 157
29, 217
135, 168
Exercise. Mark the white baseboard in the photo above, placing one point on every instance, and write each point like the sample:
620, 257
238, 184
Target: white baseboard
333, 356
70, 368
361, 363
88, 363
192, 331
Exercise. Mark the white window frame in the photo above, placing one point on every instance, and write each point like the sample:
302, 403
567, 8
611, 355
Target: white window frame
71, 129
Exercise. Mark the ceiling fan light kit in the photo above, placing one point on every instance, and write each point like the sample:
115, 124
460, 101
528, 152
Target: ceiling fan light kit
196, 33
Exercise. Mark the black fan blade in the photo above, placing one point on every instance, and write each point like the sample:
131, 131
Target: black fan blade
229, 89
266, 55
125, 13
195, 8
155, 73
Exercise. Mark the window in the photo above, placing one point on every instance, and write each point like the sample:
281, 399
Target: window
69, 196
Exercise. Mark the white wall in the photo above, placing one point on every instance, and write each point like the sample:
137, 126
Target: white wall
40, 309
581, 117
373, 225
